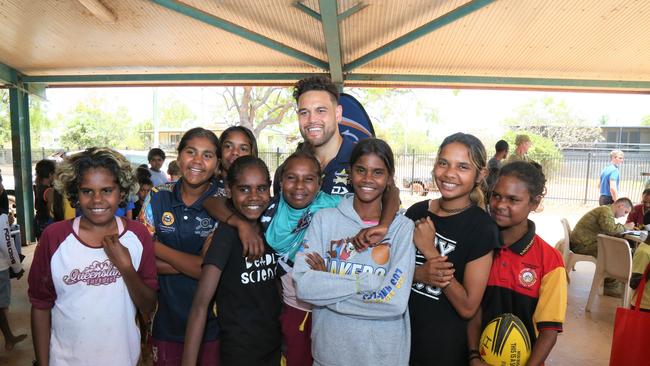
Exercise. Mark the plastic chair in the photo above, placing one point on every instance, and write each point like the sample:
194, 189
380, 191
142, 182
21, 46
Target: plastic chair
570, 258
614, 261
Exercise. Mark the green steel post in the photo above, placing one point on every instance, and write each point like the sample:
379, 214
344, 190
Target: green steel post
22, 161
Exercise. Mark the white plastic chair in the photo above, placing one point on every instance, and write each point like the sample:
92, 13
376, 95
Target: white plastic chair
570, 258
614, 261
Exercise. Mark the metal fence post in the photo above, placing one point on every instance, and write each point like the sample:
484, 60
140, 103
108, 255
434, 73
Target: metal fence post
277, 157
42, 153
587, 177
412, 170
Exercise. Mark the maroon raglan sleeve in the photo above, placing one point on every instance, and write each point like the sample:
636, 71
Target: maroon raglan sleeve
147, 269
41, 287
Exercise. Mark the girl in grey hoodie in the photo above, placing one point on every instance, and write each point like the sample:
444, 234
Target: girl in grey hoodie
360, 297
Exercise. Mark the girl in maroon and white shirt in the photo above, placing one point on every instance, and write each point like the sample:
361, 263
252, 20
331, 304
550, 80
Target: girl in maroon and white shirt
90, 274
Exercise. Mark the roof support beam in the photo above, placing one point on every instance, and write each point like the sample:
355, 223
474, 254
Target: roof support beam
6, 74
13, 78
161, 78
307, 10
239, 31
22, 157
502, 81
450, 17
330, 22
351, 11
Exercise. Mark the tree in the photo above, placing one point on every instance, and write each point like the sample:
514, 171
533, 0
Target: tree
395, 124
89, 125
555, 121
175, 113
5, 124
645, 121
38, 120
544, 150
257, 108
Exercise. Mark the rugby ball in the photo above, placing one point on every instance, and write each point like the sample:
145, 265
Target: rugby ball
505, 342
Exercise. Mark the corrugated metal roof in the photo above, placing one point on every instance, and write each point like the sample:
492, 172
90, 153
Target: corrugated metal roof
556, 44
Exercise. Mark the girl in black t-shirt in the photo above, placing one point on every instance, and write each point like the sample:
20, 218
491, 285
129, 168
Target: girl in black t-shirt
248, 301
455, 238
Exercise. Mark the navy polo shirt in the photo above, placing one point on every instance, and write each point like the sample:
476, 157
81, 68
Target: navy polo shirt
182, 228
336, 175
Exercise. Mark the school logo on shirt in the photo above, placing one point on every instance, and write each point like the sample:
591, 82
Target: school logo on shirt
204, 226
527, 277
167, 218
97, 274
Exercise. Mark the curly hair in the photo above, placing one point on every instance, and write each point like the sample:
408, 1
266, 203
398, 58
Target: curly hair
69, 174
320, 83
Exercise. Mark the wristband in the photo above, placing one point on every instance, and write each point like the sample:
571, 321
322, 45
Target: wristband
473, 357
474, 352
231, 215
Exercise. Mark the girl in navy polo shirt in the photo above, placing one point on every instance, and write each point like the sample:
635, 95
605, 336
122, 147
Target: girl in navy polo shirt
175, 216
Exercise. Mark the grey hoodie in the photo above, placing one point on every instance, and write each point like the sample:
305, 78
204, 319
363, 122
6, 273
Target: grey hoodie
360, 314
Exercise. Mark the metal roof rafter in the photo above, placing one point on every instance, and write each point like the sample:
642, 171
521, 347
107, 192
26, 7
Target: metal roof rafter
502, 81
111, 78
330, 22
239, 31
450, 17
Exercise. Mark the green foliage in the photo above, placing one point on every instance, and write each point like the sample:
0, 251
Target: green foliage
554, 120
544, 151
89, 125
5, 124
645, 121
175, 113
394, 124
38, 120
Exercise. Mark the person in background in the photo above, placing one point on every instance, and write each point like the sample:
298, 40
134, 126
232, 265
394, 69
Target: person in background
9, 263
4, 199
44, 178
640, 214
610, 178
156, 159
601, 220
173, 171
494, 164
523, 144
640, 264
145, 187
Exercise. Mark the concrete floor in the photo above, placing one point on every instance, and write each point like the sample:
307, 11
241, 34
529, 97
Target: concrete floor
586, 339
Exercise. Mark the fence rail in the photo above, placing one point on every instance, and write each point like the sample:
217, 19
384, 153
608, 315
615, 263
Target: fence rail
573, 177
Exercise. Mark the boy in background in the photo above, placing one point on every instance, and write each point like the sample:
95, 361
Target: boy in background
156, 159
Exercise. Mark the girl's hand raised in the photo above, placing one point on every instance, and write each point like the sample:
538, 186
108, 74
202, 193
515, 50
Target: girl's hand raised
117, 253
369, 236
436, 272
316, 262
424, 238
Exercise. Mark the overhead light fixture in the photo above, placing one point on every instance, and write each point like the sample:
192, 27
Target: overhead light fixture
99, 10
